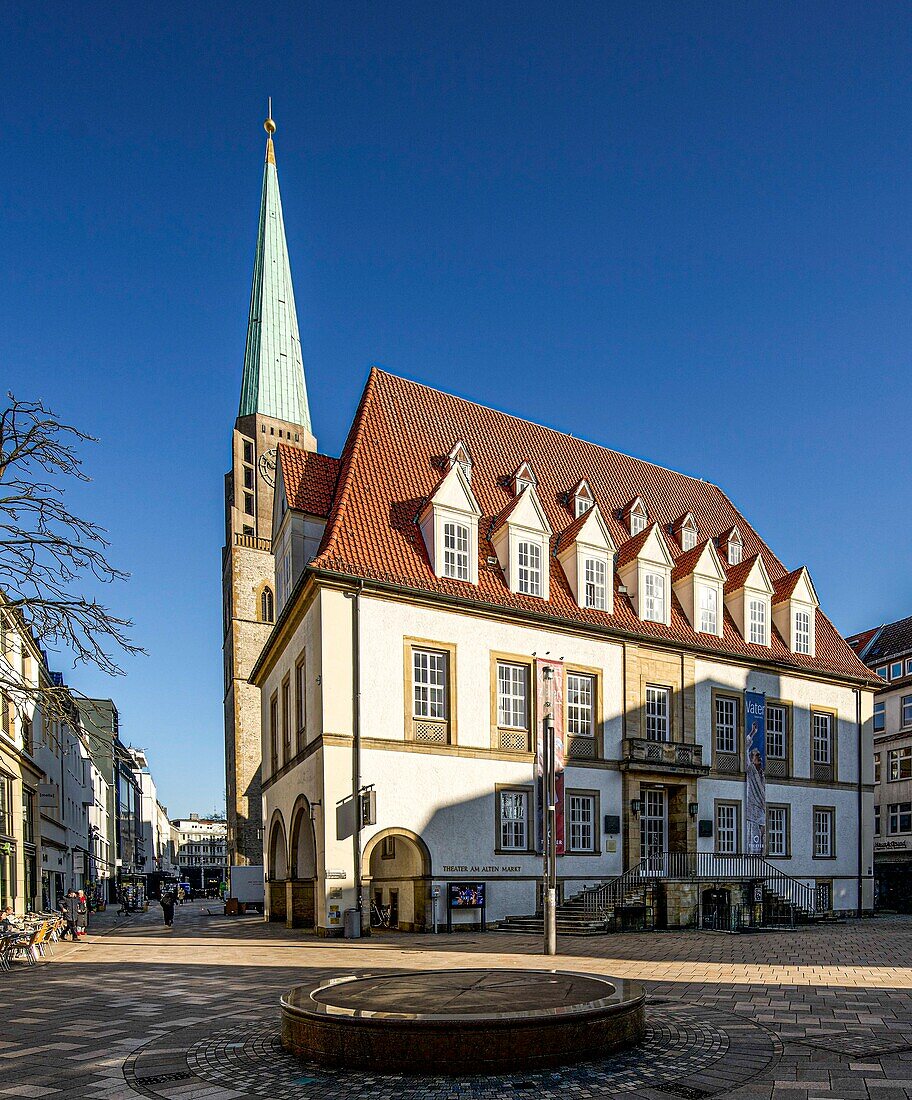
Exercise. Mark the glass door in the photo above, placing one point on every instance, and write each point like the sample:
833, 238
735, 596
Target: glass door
654, 829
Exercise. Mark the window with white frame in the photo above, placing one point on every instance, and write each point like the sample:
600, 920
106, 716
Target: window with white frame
429, 684
580, 705
456, 551
880, 715
596, 590
581, 822
709, 609
882, 672
735, 551
654, 598
906, 710
581, 505
688, 538
513, 696
776, 725
726, 724
529, 568
657, 713
824, 830
757, 612
777, 830
637, 523
909, 666
726, 828
900, 817
802, 632
823, 738
896, 670
900, 764
514, 820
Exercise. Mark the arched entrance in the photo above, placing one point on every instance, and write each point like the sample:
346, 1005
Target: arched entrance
277, 868
396, 872
303, 866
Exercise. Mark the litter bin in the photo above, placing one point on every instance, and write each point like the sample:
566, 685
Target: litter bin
352, 924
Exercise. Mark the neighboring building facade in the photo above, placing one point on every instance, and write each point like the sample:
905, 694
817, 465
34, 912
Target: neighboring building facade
101, 724
202, 852
20, 774
887, 650
273, 408
469, 569
130, 844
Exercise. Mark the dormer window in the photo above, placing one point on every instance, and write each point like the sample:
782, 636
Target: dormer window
586, 553
735, 549
795, 606
596, 584
654, 597
460, 454
449, 526
802, 631
759, 631
709, 609
523, 479
686, 531
529, 574
637, 522
636, 516
520, 536
582, 499
456, 551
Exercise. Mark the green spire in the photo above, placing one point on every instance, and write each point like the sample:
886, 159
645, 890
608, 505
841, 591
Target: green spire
273, 382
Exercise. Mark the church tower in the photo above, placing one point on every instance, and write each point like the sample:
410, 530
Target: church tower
273, 407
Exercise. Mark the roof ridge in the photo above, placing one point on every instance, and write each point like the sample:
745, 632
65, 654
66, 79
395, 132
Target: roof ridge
546, 428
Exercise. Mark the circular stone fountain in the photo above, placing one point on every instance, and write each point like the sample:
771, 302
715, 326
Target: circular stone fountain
462, 1021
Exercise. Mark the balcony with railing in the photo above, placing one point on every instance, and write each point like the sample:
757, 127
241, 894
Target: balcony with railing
251, 542
640, 754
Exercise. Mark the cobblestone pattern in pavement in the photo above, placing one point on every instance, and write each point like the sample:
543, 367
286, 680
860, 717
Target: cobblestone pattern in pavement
191, 1013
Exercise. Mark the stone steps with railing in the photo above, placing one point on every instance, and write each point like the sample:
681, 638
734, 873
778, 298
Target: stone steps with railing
594, 910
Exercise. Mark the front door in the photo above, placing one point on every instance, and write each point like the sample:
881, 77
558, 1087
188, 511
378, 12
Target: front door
654, 826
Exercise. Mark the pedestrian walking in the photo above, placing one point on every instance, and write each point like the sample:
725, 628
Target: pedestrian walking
69, 907
167, 904
82, 913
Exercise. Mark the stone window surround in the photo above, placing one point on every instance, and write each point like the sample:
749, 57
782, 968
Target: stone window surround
498, 658
596, 850
449, 648
518, 788
833, 836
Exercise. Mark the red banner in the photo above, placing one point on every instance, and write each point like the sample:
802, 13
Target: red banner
550, 698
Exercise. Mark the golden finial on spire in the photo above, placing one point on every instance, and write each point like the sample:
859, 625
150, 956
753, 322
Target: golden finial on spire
270, 127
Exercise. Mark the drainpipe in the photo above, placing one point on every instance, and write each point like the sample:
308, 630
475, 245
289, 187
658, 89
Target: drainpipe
355, 598
860, 799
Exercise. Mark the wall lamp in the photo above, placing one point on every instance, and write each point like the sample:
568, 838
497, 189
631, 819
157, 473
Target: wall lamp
636, 805
693, 808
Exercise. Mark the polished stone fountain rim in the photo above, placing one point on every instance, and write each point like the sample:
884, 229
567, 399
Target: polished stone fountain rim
315, 1000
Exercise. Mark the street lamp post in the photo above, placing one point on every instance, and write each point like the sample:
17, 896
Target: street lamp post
549, 791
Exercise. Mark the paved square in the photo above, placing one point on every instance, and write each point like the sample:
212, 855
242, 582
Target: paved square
192, 1012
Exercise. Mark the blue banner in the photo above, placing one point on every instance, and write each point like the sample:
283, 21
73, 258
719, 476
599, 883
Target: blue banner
755, 772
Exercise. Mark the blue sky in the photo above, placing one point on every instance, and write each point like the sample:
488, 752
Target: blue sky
682, 230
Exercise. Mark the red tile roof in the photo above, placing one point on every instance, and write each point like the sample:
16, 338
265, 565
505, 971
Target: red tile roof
736, 575
568, 535
785, 586
310, 479
686, 563
392, 460
631, 548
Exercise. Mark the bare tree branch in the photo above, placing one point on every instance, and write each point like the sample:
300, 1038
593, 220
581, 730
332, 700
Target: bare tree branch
47, 552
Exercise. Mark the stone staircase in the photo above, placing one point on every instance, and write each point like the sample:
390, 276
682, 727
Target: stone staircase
597, 909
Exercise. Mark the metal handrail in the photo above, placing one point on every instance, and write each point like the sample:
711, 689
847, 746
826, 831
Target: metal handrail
710, 866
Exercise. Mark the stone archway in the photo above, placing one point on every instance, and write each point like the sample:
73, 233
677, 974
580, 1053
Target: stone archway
396, 872
303, 860
277, 868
